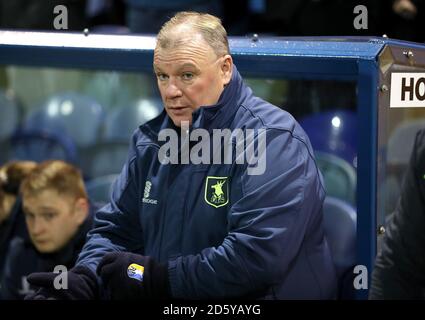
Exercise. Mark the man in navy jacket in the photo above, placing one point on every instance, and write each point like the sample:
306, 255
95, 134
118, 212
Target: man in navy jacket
217, 225
399, 271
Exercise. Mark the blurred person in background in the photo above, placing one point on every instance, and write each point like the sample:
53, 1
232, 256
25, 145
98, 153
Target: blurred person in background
404, 19
399, 271
58, 217
12, 222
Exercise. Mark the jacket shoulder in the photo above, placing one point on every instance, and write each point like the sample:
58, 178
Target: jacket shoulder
257, 113
148, 131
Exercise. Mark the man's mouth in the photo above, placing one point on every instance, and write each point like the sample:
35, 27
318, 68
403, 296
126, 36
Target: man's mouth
41, 241
177, 107
178, 110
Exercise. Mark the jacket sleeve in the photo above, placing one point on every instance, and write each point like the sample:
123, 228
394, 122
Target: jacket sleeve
399, 271
116, 226
266, 226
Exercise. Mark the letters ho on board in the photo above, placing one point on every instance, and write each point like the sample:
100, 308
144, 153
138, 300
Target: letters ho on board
407, 90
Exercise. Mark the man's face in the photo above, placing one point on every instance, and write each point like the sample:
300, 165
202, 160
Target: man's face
190, 76
53, 219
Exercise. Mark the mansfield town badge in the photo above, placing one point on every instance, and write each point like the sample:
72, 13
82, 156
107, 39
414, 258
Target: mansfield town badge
136, 271
216, 191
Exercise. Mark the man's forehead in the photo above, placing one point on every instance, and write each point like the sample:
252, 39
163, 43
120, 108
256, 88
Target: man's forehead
40, 206
183, 55
39, 200
47, 197
184, 32
181, 41
36, 207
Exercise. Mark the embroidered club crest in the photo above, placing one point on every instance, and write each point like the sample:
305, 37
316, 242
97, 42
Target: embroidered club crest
216, 191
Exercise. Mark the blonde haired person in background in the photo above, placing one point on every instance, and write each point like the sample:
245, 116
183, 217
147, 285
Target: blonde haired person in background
57, 215
12, 223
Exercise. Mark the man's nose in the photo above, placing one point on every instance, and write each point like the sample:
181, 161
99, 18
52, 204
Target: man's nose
173, 91
38, 226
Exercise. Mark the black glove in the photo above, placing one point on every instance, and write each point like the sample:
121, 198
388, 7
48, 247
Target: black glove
82, 285
130, 276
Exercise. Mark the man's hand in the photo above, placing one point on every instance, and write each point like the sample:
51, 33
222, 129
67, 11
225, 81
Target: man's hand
82, 285
130, 276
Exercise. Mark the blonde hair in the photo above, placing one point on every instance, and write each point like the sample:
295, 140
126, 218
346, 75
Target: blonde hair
56, 175
207, 25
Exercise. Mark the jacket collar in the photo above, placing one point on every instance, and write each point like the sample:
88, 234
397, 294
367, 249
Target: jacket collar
219, 115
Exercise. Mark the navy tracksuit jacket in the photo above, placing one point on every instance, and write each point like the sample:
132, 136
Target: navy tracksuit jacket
260, 235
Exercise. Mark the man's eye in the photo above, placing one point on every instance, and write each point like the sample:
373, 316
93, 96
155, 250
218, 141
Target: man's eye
29, 216
162, 76
48, 216
187, 76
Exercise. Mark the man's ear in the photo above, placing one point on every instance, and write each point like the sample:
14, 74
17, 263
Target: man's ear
81, 210
227, 68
